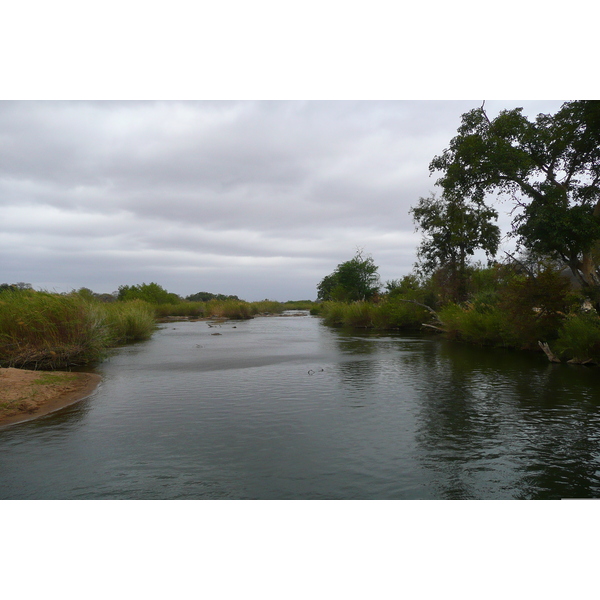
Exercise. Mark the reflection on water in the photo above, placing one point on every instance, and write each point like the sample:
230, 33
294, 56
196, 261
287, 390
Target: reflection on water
288, 408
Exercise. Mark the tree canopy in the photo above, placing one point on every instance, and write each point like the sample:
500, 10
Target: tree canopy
453, 229
355, 279
550, 170
150, 292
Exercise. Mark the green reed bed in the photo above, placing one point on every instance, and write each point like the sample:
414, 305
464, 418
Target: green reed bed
181, 309
388, 314
40, 330
267, 307
222, 309
228, 309
129, 321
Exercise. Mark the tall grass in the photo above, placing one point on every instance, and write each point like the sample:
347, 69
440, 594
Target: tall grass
392, 313
47, 330
41, 330
129, 321
478, 324
267, 307
181, 309
223, 309
228, 309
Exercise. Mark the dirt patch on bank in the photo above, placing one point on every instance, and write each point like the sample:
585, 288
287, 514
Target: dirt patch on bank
26, 395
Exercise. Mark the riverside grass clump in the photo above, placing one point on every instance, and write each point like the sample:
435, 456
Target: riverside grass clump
392, 313
219, 309
41, 330
477, 324
128, 322
195, 310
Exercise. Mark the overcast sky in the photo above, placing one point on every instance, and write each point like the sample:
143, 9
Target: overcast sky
260, 199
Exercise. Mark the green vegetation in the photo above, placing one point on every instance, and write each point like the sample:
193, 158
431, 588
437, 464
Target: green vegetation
206, 296
505, 307
453, 229
549, 169
221, 309
149, 292
40, 330
353, 280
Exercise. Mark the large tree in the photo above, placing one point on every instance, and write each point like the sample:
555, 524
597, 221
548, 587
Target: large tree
549, 168
453, 228
355, 279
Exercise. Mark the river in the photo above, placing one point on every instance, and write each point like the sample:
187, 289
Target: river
287, 408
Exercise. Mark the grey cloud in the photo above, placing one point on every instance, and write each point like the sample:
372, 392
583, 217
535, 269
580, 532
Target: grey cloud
252, 198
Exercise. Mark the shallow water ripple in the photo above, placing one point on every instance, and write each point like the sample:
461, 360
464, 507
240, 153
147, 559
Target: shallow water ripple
286, 408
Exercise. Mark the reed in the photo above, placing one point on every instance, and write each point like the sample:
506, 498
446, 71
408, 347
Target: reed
228, 309
181, 309
389, 314
43, 330
484, 324
130, 321
40, 330
267, 307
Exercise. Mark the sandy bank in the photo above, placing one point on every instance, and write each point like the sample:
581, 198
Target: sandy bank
26, 395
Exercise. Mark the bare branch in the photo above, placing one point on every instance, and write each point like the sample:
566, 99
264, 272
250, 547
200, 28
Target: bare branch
527, 269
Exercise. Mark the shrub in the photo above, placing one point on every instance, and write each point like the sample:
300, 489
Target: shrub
150, 292
333, 312
535, 306
579, 337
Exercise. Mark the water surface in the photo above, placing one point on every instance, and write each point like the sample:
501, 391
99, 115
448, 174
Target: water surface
286, 408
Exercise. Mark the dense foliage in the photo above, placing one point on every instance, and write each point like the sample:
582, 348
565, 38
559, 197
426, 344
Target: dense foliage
354, 280
453, 229
206, 296
149, 292
548, 168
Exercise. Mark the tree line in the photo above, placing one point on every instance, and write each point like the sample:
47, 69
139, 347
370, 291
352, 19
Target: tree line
548, 172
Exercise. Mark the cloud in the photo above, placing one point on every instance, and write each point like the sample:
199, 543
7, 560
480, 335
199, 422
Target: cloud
257, 199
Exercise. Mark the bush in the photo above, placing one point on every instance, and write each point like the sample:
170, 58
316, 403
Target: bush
535, 307
579, 337
333, 312
359, 314
149, 292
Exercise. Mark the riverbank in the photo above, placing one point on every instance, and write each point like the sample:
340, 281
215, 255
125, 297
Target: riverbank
26, 395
